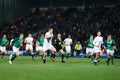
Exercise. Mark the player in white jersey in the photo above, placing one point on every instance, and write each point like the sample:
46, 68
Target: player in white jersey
98, 41
29, 44
48, 44
68, 42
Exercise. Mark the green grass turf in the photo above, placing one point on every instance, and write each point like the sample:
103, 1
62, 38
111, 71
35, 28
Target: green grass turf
23, 68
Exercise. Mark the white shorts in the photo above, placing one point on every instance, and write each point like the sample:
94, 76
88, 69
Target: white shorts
89, 50
28, 46
15, 49
68, 49
2, 49
39, 48
96, 50
110, 51
47, 45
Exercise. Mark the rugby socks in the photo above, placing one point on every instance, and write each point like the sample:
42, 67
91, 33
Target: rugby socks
112, 60
63, 58
44, 59
32, 54
95, 62
2, 55
108, 60
92, 58
13, 57
37, 53
67, 55
52, 57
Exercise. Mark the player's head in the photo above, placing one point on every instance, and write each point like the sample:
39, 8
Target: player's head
21, 35
69, 36
99, 33
50, 30
29, 35
78, 42
91, 37
59, 35
4, 36
42, 35
109, 37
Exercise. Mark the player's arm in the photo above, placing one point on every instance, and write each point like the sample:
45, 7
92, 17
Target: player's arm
25, 41
37, 43
71, 42
7, 43
47, 36
103, 46
95, 43
114, 44
64, 42
33, 42
11, 42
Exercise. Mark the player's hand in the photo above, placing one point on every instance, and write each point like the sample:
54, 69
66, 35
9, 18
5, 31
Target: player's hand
114, 47
56, 54
59, 43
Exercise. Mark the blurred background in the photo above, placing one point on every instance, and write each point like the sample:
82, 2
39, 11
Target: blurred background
11, 9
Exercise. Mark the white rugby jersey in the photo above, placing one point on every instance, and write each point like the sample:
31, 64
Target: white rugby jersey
29, 40
48, 34
98, 41
68, 41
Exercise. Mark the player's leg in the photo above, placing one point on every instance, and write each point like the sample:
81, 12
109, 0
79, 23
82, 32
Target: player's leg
87, 52
3, 50
14, 54
3, 53
112, 57
44, 58
108, 60
96, 58
92, 55
32, 54
100, 54
68, 50
31, 51
42, 54
62, 57
52, 48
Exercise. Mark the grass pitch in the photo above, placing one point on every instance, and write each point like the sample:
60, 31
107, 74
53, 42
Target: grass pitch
23, 68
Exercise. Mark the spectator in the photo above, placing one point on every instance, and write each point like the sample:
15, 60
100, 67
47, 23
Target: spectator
78, 48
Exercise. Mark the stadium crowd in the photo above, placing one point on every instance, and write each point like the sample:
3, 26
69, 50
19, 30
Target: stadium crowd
78, 22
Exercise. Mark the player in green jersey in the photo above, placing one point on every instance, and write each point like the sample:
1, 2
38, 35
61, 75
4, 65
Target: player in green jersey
17, 42
39, 48
110, 45
90, 48
3, 43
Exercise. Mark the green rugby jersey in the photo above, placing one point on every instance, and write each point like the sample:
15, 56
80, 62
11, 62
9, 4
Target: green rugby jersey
41, 41
90, 43
109, 44
3, 42
17, 42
